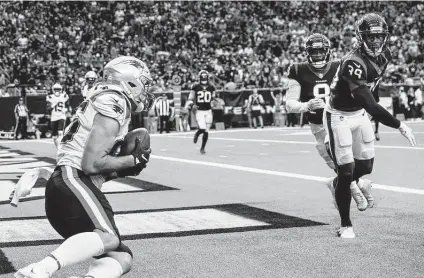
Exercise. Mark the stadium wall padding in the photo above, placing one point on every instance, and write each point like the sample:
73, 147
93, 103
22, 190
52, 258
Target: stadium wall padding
234, 102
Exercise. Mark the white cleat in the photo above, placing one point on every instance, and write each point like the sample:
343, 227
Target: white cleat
365, 187
330, 185
346, 232
358, 196
32, 271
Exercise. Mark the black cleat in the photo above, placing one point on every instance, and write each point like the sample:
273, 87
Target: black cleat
377, 136
196, 136
202, 151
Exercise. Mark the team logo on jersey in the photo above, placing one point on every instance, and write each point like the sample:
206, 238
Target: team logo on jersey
117, 109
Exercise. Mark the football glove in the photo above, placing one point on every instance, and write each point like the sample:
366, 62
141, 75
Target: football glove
407, 133
315, 103
141, 156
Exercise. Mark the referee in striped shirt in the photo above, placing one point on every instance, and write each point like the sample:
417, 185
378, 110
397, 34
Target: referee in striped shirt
163, 109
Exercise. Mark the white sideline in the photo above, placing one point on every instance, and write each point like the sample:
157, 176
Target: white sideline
298, 142
270, 172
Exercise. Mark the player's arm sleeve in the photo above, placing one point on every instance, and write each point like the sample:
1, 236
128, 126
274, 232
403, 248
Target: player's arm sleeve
354, 73
293, 104
364, 97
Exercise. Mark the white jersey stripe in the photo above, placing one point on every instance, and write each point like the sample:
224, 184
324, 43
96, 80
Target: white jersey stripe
87, 201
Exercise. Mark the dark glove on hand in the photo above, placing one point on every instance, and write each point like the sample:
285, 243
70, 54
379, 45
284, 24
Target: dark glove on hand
141, 156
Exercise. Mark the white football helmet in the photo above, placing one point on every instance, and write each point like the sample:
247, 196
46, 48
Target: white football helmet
90, 77
133, 76
57, 89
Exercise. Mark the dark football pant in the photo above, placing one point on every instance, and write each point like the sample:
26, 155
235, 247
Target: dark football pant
57, 126
164, 120
75, 205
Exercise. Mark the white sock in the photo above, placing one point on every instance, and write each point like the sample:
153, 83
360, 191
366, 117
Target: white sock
78, 248
106, 267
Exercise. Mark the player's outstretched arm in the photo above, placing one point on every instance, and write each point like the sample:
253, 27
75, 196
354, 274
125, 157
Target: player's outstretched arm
364, 97
96, 158
294, 105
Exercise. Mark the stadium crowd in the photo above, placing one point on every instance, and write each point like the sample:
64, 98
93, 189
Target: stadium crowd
241, 43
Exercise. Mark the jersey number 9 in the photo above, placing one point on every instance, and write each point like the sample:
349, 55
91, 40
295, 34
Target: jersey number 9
204, 96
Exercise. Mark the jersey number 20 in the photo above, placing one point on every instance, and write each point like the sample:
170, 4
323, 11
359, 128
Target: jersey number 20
204, 96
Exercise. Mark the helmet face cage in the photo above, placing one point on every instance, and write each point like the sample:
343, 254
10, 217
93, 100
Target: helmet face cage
372, 32
203, 77
57, 89
136, 82
317, 48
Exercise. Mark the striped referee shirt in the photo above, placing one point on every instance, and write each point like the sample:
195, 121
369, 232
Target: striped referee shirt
162, 107
21, 110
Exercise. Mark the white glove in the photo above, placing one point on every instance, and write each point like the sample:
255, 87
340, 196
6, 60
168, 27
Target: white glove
315, 103
407, 133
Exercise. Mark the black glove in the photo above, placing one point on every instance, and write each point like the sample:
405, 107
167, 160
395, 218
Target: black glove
141, 156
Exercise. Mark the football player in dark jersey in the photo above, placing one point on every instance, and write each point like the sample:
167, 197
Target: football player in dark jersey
201, 96
351, 136
309, 90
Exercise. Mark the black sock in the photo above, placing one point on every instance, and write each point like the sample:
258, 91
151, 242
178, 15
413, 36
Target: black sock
205, 139
343, 195
376, 127
198, 132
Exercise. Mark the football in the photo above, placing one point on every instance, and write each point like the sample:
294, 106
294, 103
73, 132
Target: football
128, 145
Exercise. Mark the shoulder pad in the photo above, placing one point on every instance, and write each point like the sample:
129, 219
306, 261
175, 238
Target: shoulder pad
354, 68
111, 104
292, 71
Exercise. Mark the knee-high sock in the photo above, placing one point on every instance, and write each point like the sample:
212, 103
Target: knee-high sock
205, 139
75, 249
376, 126
362, 168
343, 195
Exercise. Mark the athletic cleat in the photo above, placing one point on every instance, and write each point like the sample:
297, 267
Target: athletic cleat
361, 201
346, 232
377, 136
202, 151
330, 185
32, 271
365, 187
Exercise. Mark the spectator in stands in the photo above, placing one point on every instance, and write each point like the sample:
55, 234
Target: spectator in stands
218, 105
163, 108
184, 114
255, 103
21, 115
278, 109
152, 119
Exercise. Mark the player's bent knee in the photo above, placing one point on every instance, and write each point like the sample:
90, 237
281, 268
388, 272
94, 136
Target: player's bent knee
110, 241
124, 258
346, 171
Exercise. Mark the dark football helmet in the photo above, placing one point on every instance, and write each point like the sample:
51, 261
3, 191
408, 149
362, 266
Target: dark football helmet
372, 33
317, 47
203, 77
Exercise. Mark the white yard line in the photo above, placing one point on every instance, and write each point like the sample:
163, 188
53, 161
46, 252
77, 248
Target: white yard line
282, 174
278, 173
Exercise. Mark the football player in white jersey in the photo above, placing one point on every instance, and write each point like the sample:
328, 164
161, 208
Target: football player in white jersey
75, 206
90, 80
56, 102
